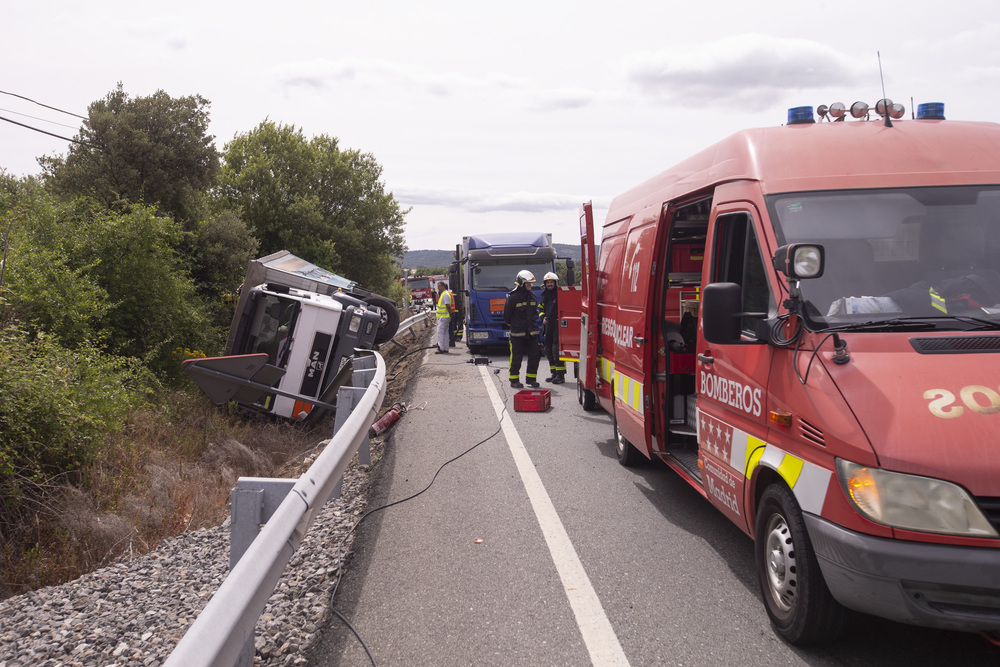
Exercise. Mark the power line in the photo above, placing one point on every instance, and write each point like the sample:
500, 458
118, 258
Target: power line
68, 113
75, 141
44, 120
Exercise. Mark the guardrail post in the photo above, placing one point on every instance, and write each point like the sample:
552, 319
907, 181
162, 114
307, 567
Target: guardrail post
347, 400
254, 500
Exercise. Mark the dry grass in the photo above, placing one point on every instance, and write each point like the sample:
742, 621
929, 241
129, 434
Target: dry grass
170, 471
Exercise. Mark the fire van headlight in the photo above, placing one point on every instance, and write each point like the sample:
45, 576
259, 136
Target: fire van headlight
912, 502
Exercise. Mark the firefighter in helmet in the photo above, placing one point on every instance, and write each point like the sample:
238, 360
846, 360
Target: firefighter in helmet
548, 312
520, 313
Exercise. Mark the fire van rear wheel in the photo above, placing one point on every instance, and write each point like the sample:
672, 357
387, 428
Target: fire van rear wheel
628, 455
798, 602
586, 397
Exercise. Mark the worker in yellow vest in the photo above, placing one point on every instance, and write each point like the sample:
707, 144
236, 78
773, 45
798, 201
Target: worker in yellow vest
445, 299
453, 319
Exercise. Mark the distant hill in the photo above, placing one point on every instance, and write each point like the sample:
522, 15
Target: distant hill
442, 258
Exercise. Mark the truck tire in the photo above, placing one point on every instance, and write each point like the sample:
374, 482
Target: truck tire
801, 608
628, 455
389, 317
585, 397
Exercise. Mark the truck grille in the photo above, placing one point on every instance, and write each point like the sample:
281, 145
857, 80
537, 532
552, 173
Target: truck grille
956, 344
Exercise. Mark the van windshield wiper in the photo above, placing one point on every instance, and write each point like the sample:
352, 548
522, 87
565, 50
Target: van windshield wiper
890, 324
945, 322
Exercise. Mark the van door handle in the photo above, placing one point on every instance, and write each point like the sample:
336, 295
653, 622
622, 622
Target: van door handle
704, 358
638, 339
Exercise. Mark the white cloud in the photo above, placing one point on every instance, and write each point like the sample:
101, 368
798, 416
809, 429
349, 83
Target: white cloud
748, 69
484, 201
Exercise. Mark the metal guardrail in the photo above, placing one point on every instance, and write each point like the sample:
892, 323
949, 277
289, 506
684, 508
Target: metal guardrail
406, 324
225, 627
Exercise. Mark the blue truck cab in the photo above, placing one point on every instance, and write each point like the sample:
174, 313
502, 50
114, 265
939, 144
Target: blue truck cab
485, 268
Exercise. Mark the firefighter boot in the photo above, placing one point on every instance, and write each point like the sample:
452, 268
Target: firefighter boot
516, 383
559, 378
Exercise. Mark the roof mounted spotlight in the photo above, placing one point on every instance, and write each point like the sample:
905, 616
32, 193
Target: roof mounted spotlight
838, 110
887, 106
800, 116
930, 111
859, 110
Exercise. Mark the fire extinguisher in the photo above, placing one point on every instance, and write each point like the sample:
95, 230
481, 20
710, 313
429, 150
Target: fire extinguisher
390, 417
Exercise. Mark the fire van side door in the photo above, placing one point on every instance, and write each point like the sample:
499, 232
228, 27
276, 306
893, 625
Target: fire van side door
631, 330
588, 300
732, 378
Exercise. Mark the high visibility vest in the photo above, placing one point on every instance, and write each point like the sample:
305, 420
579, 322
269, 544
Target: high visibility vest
443, 305
453, 305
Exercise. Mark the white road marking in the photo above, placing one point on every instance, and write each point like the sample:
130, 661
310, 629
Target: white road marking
601, 640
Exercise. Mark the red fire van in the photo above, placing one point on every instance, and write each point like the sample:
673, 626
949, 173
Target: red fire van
804, 323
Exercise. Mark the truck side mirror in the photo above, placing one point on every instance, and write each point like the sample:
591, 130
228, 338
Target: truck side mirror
721, 304
570, 272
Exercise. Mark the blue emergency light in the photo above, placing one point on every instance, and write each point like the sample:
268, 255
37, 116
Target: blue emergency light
800, 115
930, 111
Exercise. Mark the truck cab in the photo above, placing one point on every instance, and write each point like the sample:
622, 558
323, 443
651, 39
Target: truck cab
308, 321
485, 267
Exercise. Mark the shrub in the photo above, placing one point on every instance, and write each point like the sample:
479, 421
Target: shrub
58, 407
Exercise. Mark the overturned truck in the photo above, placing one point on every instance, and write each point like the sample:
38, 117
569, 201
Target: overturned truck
295, 329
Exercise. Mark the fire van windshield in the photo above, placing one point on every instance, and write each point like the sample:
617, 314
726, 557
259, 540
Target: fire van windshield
897, 254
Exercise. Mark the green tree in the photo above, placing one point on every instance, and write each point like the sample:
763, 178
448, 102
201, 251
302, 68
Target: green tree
46, 284
154, 306
315, 200
153, 150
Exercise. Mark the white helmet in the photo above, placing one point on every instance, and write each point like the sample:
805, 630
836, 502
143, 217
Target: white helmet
525, 276
550, 276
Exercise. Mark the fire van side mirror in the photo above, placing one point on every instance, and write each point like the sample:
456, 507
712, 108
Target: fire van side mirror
721, 304
570, 271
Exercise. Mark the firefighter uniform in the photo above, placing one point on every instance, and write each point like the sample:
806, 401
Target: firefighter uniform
520, 314
548, 312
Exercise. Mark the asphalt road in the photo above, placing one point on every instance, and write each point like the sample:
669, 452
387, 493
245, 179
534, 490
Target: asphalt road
534, 547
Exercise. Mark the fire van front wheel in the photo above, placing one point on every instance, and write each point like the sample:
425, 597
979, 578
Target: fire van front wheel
798, 602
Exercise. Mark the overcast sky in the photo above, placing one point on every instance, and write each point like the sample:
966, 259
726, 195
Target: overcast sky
494, 117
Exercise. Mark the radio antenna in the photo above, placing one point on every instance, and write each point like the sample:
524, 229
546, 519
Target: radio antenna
885, 102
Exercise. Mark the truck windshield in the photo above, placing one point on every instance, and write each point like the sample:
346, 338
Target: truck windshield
500, 277
272, 327
910, 254
418, 283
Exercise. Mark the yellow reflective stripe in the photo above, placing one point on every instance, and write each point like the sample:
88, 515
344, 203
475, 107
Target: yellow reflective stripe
790, 469
938, 301
809, 482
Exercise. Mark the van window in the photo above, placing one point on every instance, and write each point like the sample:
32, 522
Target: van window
739, 260
636, 267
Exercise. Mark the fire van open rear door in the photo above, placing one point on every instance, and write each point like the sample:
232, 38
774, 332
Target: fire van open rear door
589, 331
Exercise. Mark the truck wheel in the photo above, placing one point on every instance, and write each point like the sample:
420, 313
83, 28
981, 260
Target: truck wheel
628, 455
798, 602
389, 317
586, 397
